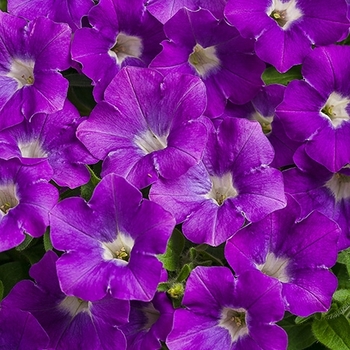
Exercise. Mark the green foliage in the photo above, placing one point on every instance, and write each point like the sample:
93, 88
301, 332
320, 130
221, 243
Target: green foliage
272, 76
88, 189
299, 334
47, 241
28, 239
11, 273
3, 5
171, 258
332, 332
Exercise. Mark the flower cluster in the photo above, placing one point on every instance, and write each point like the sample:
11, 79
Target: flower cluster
173, 174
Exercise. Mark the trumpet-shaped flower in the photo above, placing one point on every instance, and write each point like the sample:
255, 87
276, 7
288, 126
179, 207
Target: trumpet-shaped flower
297, 254
149, 127
50, 137
70, 12
26, 198
113, 242
32, 54
224, 312
70, 322
285, 30
233, 184
316, 112
202, 45
123, 34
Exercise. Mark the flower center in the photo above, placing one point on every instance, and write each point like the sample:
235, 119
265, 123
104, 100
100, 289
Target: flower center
22, 72
222, 188
234, 320
284, 13
149, 142
8, 198
204, 60
275, 267
339, 185
74, 305
265, 122
152, 315
126, 46
118, 250
335, 109
32, 149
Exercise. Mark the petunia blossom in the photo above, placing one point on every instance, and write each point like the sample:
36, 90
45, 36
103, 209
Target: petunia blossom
297, 254
32, 54
150, 126
122, 34
26, 198
316, 111
285, 30
149, 323
234, 183
113, 242
70, 11
202, 45
163, 10
20, 330
224, 312
51, 137
70, 322
316, 188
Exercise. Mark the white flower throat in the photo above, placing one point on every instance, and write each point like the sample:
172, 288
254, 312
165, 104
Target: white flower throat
126, 46
284, 13
22, 72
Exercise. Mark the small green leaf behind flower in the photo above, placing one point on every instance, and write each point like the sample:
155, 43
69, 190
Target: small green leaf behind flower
272, 76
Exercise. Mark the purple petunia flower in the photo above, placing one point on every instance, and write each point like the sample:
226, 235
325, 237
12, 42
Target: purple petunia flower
285, 29
113, 242
25, 200
163, 10
316, 188
70, 11
262, 108
298, 254
151, 129
71, 323
316, 111
224, 312
148, 323
123, 34
20, 330
51, 137
31, 56
200, 44
233, 184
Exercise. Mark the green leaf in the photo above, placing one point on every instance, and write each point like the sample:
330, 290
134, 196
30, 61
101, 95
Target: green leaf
77, 80
163, 287
11, 273
184, 273
1, 290
333, 332
342, 296
34, 254
342, 274
300, 320
344, 258
272, 76
300, 336
171, 258
47, 241
88, 189
3, 5
28, 239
